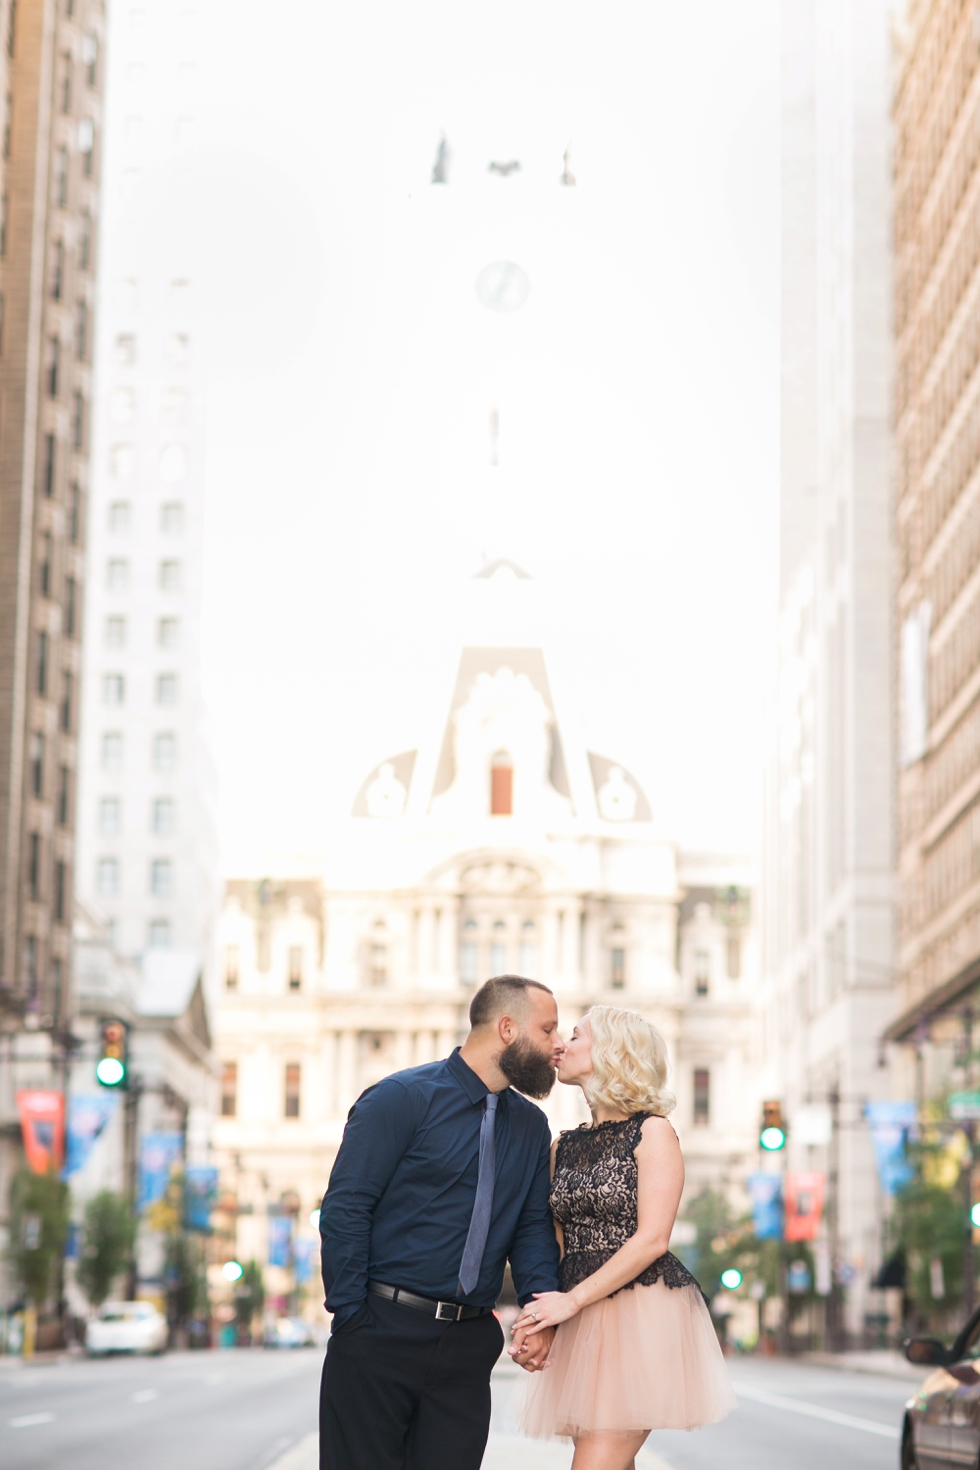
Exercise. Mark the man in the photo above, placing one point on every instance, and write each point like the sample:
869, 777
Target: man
442, 1176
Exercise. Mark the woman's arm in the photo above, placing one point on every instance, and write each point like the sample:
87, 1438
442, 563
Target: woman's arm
660, 1171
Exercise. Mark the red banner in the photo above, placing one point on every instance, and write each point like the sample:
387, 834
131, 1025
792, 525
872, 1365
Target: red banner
42, 1121
803, 1194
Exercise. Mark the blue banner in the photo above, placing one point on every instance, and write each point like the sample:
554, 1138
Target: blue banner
305, 1253
158, 1154
766, 1194
200, 1196
88, 1114
892, 1124
280, 1237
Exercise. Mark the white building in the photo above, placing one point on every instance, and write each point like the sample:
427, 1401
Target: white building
500, 844
147, 848
829, 850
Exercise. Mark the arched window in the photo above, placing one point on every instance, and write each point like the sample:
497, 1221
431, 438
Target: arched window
528, 964
469, 954
498, 949
501, 785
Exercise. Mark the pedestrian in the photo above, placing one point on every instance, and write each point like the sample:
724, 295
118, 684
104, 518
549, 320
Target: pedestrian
441, 1178
635, 1348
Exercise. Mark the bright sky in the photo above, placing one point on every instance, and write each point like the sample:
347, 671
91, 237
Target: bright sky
354, 370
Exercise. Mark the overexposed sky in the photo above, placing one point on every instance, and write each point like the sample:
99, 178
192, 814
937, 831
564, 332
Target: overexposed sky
353, 371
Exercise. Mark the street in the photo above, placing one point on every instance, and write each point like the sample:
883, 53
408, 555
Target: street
257, 1411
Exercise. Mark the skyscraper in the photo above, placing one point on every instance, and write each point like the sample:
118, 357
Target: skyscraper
828, 847
147, 845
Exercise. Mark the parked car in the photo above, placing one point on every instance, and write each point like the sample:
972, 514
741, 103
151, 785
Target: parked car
289, 1332
942, 1421
126, 1327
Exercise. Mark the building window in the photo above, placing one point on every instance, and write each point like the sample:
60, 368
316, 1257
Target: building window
78, 420
37, 764
165, 751
107, 877
702, 1096
529, 951
125, 349
8, 119
124, 405
60, 892
501, 786
295, 967
617, 967
42, 663
167, 689
702, 971
4, 208
115, 632
170, 576
66, 69
67, 700
70, 606
120, 517
232, 961
498, 948
117, 574
74, 514
53, 366
47, 473
61, 177
469, 954
85, 241
112, 751
58, 270
113, 689
161, 877
734, 957
229, 1089
90, 58
291, 1100
81, 330
168, 633
172, 518
164, 816
110, 816
379, 965
122, 461
64, 790
86, 143
158, 934
44, 574
34, 865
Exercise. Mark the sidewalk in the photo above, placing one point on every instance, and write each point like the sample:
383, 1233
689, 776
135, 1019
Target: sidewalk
886, 1361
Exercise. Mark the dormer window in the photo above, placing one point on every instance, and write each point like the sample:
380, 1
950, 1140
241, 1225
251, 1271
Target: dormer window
501, 785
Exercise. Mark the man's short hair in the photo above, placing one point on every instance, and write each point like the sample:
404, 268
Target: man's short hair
499, 995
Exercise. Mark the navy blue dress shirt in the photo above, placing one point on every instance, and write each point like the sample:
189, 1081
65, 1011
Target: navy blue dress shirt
401, 1192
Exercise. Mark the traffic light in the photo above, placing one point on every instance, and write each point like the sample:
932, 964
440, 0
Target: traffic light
112, 1068
772, 1135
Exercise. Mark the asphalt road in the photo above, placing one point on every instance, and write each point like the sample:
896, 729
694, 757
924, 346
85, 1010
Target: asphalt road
257, 1411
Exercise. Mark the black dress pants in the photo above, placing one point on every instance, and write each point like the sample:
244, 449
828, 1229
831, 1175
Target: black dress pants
401, 1391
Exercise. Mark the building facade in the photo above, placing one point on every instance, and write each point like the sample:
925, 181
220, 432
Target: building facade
501, 846
51, 74
828, 846
147, 832
937, 289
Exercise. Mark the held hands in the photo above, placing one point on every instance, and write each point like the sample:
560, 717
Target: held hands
550, 1308
532, 1356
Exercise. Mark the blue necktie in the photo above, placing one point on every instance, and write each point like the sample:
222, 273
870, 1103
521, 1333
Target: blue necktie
476, 1239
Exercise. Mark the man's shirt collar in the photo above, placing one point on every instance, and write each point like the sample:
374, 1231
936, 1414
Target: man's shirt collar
474, 1087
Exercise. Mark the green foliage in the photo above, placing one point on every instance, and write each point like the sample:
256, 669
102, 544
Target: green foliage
108, 1234
723, 1240
185, 1277
39, 1213
249, 1294
929, 1220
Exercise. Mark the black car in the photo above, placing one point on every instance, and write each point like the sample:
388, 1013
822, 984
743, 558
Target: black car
942, 1421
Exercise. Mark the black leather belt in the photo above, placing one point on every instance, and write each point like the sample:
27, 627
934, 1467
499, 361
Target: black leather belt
442, 1311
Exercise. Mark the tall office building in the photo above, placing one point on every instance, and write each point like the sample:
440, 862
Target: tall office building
51, 94
828, 875
937, 182
147, 845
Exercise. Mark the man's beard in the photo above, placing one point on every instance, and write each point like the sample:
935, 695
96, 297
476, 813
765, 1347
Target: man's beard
527, 1069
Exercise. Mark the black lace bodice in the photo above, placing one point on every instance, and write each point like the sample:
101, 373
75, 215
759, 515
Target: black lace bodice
593, 1198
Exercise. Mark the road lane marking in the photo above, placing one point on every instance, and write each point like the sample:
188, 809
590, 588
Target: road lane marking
144, 1396
831, 1416
26, 1420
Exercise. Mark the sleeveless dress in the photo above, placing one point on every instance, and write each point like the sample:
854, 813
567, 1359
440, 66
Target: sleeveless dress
646, 1357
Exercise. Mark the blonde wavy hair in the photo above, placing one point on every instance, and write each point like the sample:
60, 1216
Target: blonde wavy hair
629, 1061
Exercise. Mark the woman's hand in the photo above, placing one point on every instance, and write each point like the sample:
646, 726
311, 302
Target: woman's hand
550, 1308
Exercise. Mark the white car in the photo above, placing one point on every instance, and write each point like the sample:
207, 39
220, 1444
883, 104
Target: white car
126, 1327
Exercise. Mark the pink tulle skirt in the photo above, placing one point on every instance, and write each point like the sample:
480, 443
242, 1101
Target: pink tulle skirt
646, 1358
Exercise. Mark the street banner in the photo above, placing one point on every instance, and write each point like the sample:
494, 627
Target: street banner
798, 1278
42, 1122
804, 1204
158, 1154
304, 1255
965, 1106
280, 1233
200, 1196
766, 1194
892, 1125
88, 1115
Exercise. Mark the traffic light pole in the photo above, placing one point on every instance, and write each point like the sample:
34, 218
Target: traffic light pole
131, 1136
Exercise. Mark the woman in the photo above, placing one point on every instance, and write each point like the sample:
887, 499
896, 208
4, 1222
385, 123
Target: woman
635, 1349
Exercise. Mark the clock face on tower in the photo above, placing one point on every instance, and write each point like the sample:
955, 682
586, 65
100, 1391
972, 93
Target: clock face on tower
502, 286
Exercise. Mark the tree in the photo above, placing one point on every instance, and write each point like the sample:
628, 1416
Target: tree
108, 1233
249, 1294
39, 1213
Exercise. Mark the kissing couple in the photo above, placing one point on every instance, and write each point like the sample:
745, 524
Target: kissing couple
446, 1172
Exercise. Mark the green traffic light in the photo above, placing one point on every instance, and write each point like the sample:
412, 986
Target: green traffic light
110, 1071
731, 1279
975, 1215
772, 1139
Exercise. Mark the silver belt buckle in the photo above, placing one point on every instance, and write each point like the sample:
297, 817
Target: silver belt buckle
455, 1311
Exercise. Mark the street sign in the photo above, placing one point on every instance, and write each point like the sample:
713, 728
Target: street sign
964, 1106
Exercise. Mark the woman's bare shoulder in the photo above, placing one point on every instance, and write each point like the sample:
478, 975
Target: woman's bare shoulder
657, 1135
